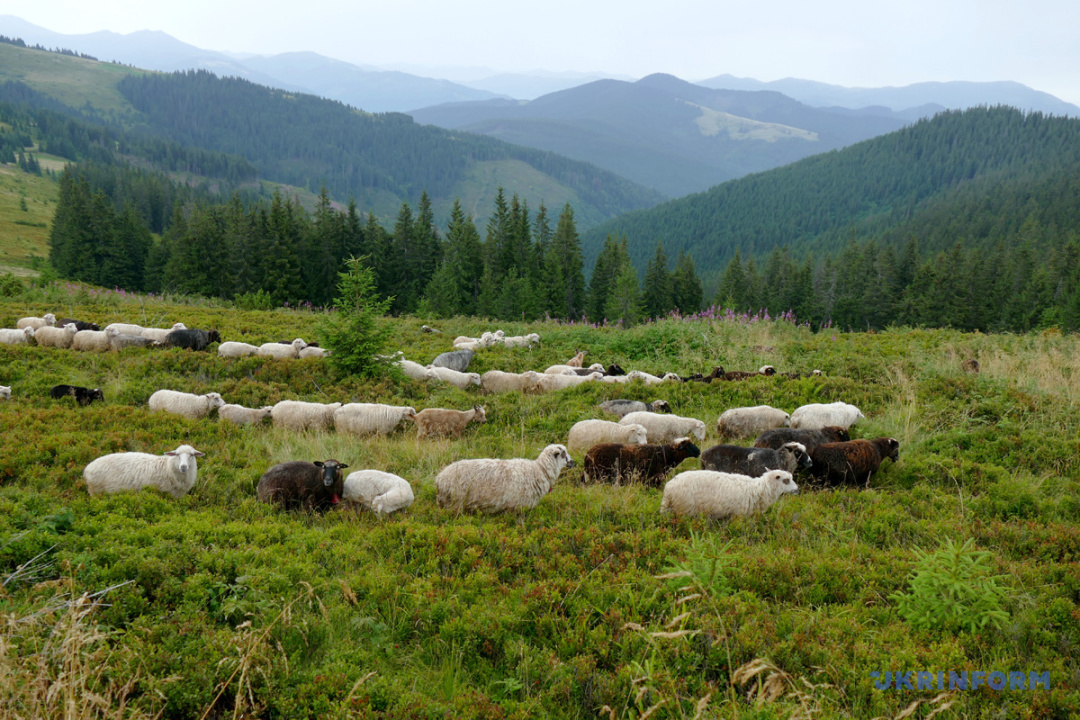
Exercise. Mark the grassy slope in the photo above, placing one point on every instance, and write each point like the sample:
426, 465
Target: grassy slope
549, 614
24, 234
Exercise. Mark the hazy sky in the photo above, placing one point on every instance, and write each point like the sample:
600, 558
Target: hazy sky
861, 43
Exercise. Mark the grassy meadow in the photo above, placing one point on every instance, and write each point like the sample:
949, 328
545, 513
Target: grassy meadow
592, 604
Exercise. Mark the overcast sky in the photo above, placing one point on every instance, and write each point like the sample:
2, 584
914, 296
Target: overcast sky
847, 42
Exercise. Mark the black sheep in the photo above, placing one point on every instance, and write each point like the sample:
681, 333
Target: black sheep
733, 375
79, 324
83, 396
315, 486
716, 374
649, 464
810, 439
854, 462
754, 462
192, 339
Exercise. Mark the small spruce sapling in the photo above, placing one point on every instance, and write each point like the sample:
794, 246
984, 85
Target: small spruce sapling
354, 332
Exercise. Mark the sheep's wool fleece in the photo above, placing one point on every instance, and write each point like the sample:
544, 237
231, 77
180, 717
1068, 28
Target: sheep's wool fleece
376, 490
131, 471
719, 495
493, 486
665, 428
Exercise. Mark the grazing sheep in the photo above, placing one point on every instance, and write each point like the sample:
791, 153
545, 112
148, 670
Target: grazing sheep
457, 379
810, 439
58, 337
172, 473
79, 324
36, 322
5, 392
370, 418
126, 328
437, 421
649, 464
816, 416
282, 351
494, 381
192, 339
119, 341
766, 370
583, 435
499, 485
970, 365
300, 416
456, 360
415, 370
716, 374
313, 351
83, 396
578, 360
16, 337
158, 335
534, 382
755, 461
186, 404
665, 428
379, 491
718, 495
486, 340
750, 421
521, 340
240, 415
619, 408
90, 340
314, 486
426, 329
853, 462
236, 349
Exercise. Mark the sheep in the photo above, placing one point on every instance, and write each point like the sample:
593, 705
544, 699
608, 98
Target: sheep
240, 415
578, 360
645, 377
186, 404
750, 421
5, 392
79, 324
493, 486
800, 376
494, 381
456, 360
83, 396
766, 370
16, 337
718, 495
436, 421
379, 491
620, 379
619, 408
119, 341
810, 439
583, 435
415, 370
36, 323
521, 340
158, 335
853, 462
649, 464
192, 339
970, 365
370, 418
300, 416
172, 473
665, 428
313, 351
562, 370
314, 486
127, 328
236, 349
457, 379
58, 337
716, 374
534, 382
816, 416
282, 351
486, 340
90, 340
427, 329
755, 461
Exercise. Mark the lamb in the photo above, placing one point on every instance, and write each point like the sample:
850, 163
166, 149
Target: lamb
370, 418
192, 339
493, 486
172, 473
583, 435
521, 340
534, 382
240, 415
755, 461
816, 416
458, 379
119, 341
236, 349
810, 439
300, 416
83, 396
90, 340
718, 495
750, 421
765, 370
456, 360
313, 351
649, 464
36, 322
853, 462
282, 351
314, 486
127, 328
494, 381
665, 428
379, 491
436, 421
79, 324
158, 335
578, 360
58, 337
619, 408
5, 392
186, 404
16, 337
415, 370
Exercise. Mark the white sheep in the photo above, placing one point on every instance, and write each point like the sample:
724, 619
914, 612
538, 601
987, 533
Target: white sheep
494, 381
282, 351
816, 416
313, 352
750, 421
583, 435
414, 370
240, 415
720, 495
560, 370
492, 486
300, 416
521, 340
455, 378
534, 382
645, 377
665, 428
236, 349
90, 340
370, 418
173, 473
379, 491
158, 334
126, 328
186, 404
48, 320
120, 341
52, 336
5, 392
620, 379
16, 337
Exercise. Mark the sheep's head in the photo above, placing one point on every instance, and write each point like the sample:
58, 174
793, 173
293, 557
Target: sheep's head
71, 328
96, 394
214, 399
331, 476
685, 446
671, 377
49, 319
660, 406
638, 435
891, 447
767, 370
474, 378
408, 414
29, 333
782, 481
179, 326
299, 344
213, 336
185, 458
5, 392
799, 451
480, 414
699, 430
615, 369
835, 433
560, 455
596, 367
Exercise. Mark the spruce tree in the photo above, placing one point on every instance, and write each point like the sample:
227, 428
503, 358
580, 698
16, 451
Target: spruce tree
565, 276
733, 291
624, 300
659, 289
688, 293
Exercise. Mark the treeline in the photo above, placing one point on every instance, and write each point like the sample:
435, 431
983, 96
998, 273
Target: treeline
19, 42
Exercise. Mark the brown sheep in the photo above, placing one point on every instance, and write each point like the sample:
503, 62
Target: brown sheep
437, 421
716, 374
853, 462
649, 464
810, 439
578, 360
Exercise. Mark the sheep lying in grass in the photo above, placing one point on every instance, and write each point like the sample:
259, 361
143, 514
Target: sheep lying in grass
460, 380
810, 439
520, 340
83, 396
463, 342
315, 486
718, 495
282, 351
493, 486
186, 404
16, 337
371, 418
5, 392
455, 360
854, 462
665, 428
236, 349
313, 351
716, 374
58, 337
158, 335
301, 416
583, 435
750, 421
649, 464
95, 340
437, 421
121, 341
816, 416
497, 381
36, 322
755, 461
766, 370
172, 473
240, 415
379, 491
620, 408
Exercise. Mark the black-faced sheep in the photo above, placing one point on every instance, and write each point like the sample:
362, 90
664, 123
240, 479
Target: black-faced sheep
853, 462
648, 464
83, 396
172, 473
493, 486
716, 374
754, 461
315, 486
619, 408
810, 439
718, 495
79, 324
192, 339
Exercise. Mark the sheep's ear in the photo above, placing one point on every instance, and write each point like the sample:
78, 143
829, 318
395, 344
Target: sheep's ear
171, 453
317, 463
342, 467
196, 453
